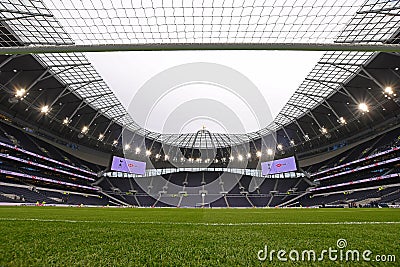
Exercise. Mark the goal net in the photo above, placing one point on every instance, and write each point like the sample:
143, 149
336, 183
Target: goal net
100, 25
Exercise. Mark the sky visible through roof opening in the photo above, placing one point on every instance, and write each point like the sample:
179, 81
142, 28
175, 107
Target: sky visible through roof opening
276, 74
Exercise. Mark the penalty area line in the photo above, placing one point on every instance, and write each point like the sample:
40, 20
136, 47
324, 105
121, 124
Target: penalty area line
197, 223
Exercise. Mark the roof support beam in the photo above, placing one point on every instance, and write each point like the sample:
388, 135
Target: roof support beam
84, 82
38, 79
33, 84
381, 10
2, 64
301, 129
63, 48
319, 80
372, 78
56, 73
377, 83
290, 116
354, 72
302, 109
81, 105
67, 65
31, 103
72, 90
348, 94
330, 107
98, 114
394, 53
338, 64
284, 130
315, 119
58, 97
15, 11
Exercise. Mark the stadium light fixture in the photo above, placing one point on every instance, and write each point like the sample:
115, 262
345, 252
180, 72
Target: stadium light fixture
85, 129
182, 159
279, 147
158, 156
342, 121
101, 137
127, 146
137, 150
306, 137
258, 154
44, 109
248, 155
388, 90
20, 93
292, 142
166, 157
324, 130
148, 152
240, 157
216, 160
115, 142
270, 151
231, 158
66, 121
363, 107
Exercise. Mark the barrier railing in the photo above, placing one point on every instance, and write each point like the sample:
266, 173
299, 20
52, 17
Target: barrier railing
44, 166
33, 177
46, 158
356, 161
357, 182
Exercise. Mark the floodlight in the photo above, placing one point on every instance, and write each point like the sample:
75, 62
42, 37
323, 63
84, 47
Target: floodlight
85, 129
44, 109
20, 93
363, 107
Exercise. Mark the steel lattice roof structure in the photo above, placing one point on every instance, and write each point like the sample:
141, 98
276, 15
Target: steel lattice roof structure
69, 26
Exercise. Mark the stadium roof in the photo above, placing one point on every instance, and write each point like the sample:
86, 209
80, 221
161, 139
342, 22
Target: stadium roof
116, 25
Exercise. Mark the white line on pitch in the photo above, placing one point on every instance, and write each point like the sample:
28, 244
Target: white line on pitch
199, 223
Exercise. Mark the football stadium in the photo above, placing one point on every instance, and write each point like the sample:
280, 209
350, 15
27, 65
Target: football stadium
199, 133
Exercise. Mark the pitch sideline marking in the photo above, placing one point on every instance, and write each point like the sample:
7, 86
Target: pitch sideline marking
199, 223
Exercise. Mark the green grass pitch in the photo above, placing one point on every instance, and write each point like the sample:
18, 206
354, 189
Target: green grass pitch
56, 236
